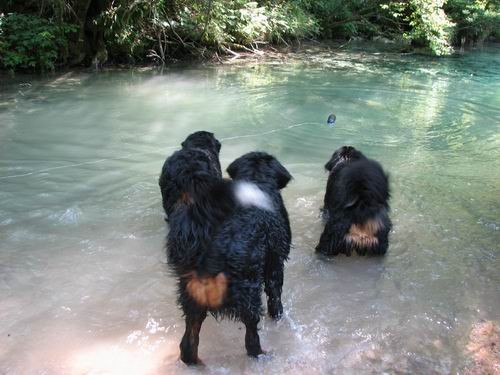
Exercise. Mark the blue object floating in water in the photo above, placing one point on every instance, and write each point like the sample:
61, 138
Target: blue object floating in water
331, 120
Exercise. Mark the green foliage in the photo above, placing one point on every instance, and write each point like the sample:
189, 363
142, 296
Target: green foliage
475, 19
222, 23
290, 21
428, 25
132, 27
49, 9
34, 33
337, 18
29, 42
239, 22
421, 22
243, 22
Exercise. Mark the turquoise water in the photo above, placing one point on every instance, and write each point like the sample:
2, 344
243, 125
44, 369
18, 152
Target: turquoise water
83, 281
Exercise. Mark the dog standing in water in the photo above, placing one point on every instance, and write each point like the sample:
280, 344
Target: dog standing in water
356, 205
227, 240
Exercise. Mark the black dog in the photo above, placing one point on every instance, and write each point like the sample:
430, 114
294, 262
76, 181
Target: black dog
356, 206
199, 154
228, 240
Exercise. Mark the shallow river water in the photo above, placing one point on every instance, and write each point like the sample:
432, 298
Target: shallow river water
84, 287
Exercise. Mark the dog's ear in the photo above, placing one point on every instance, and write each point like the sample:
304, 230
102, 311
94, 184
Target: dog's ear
352, 201
329, 165
217, 145
283, 177
233, 168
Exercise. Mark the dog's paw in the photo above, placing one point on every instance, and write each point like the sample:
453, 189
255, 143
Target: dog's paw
200, 363
256, 352
275, 309
193, 361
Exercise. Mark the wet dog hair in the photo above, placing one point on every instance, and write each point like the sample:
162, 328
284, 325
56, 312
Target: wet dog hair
228, 240
356, 205
185, 171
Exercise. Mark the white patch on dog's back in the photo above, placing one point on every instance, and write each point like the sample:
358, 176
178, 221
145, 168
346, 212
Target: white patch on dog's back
249, 194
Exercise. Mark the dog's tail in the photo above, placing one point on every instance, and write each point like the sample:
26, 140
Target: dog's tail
366, 189
207, 291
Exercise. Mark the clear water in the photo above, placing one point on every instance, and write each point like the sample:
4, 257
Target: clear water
84, 287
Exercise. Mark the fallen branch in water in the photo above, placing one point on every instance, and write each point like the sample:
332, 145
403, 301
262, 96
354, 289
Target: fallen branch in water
231, 52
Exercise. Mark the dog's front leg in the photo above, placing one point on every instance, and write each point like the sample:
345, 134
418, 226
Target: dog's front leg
191, 338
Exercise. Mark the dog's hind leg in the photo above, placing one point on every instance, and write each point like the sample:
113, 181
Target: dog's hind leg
384, 237
331, 241
191, 338
327, 243
382, 246
252, 340
273, 279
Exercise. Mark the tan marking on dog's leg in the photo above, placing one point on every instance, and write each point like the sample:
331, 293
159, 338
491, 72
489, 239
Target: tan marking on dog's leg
207, 291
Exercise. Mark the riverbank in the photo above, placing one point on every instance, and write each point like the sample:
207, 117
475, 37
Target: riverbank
335, 52
40, 36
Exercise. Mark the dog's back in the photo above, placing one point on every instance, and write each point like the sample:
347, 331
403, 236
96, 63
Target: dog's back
357, 207
230, 230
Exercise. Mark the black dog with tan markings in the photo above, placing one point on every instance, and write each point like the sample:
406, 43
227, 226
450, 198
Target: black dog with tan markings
356, 206
227, 240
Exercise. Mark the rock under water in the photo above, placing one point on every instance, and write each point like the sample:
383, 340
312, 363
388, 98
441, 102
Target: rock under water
483, 345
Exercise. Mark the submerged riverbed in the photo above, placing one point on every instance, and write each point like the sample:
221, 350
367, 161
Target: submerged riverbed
83, 281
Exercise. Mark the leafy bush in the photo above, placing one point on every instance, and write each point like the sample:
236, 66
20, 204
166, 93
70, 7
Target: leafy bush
430, 26
475, 19
425, 24
132, 27
34, 34
244, 22
289, 21
28, 42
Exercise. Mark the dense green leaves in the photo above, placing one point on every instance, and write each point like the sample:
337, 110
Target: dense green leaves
425, 23
37, 34
475, 19
28, 42
194, 26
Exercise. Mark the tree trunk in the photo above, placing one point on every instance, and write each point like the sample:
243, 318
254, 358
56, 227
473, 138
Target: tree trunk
88, 41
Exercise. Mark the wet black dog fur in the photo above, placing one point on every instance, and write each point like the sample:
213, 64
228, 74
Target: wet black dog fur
356, 206
199, 155
224, 250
